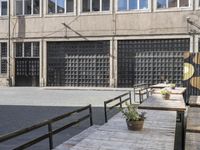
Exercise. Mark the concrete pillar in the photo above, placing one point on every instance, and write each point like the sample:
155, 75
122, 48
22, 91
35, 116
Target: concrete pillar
41, 58
44, 61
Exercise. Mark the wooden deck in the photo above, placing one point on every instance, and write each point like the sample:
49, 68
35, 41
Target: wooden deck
156, 102
194, 101
158, 134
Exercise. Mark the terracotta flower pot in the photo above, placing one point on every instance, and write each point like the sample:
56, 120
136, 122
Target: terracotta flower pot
166, 96
135, 125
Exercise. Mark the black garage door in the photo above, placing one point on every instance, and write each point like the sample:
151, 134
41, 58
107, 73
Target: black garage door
151, 61
78, 63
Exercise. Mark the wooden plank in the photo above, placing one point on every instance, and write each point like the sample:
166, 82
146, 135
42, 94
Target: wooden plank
192, 141
160, 85
193, 120
177, 90
77, 138
194, 101
156, 102
158, 134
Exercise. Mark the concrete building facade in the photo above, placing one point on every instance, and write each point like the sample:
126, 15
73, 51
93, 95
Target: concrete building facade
83, 42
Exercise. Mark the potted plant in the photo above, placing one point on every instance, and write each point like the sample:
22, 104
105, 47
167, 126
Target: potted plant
173, 86
165, 93
134, 119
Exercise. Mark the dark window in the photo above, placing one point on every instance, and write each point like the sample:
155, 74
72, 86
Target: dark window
51, 6
19, 49
27, 49
70, 5
27, 7
4, 8
95, 5
36, 6
105, 5
86, 5
3, 49
36, 49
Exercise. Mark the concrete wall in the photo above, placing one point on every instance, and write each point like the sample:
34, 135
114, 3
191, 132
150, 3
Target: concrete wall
111, 25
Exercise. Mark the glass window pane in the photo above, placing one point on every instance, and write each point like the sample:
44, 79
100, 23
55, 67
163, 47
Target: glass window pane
184, 3
172, 3
19, 7
60, 6
36, 49
27, 7
18, 49
51, 6
122, 4
4, 8
70, 5
86, 5
27, 49
143, 4
36, 6
161, 4
105, 5
133, 4
95, 5
3, 66
3, 49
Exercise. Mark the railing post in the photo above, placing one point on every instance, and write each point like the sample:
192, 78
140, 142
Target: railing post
90, 111
120, 99
105, 113
50, 136
130, 97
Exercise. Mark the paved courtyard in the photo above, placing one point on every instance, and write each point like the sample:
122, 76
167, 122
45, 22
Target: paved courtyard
21, 107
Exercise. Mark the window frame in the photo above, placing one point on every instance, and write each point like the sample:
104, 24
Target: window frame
23, 9
23, 49
95, 12
1, 8
133, 10
65, 9
178, 8
4, 58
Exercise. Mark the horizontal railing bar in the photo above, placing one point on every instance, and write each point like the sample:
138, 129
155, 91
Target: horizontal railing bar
36, 126
45, 136
32, 142
110, 108
70, 124
111, 100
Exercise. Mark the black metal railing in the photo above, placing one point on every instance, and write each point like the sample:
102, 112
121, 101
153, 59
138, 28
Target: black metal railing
141, 90
51, 132
122, 99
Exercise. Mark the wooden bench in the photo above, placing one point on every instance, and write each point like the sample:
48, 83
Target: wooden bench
192, 141
141, 90
193, 120
77, 138
194, 101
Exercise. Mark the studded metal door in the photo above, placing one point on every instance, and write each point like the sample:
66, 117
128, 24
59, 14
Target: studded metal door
27, 71
78, 63
151, 61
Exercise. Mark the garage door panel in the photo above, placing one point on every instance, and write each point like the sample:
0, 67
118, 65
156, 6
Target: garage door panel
83, 63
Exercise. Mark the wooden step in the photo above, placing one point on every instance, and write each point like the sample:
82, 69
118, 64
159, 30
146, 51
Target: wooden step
193, 119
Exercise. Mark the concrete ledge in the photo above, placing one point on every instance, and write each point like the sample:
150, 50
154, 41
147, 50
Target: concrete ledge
88, 88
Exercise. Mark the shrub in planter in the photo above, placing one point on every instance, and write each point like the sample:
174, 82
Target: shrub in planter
134, 119
173, 86
166, 94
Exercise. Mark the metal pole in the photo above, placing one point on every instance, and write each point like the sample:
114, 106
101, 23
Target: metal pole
90, 111
9, 40
50, 136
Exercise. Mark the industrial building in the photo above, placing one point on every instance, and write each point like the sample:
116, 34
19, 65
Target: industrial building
96, 43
